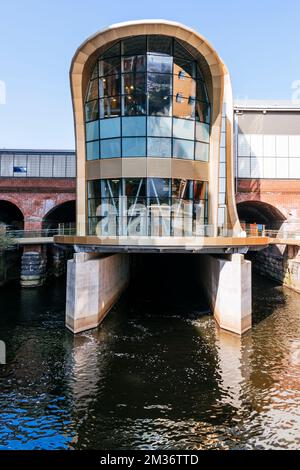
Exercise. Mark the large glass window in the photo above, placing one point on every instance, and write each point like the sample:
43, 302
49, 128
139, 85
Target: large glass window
183, 149
92, 150
159, 147
160, 63
92, 130
110, 107
147, 87
109, 86
134, 126
92, 90
183, 129
110, 128
153, 206
111, 148
109, 66
92, 111
159, 126
202, 151
134, 147
135, 105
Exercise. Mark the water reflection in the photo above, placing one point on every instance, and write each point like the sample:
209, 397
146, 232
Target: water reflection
159, 373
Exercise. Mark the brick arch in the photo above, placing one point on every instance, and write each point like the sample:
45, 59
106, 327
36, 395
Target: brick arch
13, 200
10, 213
265, 198
56, 214
36, 206
258, 211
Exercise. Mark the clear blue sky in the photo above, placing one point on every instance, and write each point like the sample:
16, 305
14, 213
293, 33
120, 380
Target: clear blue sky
259, 40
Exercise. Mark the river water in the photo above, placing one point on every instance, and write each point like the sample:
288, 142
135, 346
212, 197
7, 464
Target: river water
158, 373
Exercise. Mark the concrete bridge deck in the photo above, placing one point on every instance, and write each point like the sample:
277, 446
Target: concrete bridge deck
194, 244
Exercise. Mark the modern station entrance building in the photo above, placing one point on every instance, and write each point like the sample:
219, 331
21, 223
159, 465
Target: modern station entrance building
153, 116
155, 167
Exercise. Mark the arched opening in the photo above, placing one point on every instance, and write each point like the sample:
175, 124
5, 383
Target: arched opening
11, 216
257, 212
64, 213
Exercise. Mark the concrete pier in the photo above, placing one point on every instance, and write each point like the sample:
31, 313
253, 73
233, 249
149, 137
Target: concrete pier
94, 284
227, 284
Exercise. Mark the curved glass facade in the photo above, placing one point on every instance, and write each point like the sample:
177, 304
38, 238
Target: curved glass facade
147, 98
147, 207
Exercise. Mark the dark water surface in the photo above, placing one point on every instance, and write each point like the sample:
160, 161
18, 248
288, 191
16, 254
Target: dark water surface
158, 374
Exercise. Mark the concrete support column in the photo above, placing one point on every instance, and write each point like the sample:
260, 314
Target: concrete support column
94, 284
227, 283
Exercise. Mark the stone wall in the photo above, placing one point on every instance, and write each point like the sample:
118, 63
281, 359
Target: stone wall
280, 263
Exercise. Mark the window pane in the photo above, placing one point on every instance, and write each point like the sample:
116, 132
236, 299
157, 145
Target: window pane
244, 145
160, 105
159, 126
282, 145
92, 93
134, 83
93, 205
158, 187
201, 92
135, 187
199, 191
182, 189
112, 51
183, 149
159, 147
134, 105
202, 112
109, 66
202, 151
134, 147
185, 86
93, 189
187, 66
110, 148
283, 167
294, 167
160, 44
110, 128
109, 86
269, 144
244, 167
134, 45
92, 150
222, 155
159, 63
256, 145
270, 168
180, 51
222, 173
92, 130
133, 126
95, 72
202, 132
257, 168
92, 111
110, 107
159, 83
110, 188
183, 108
183, 129
135, 63
294, 145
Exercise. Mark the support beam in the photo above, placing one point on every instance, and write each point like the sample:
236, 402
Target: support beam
227, 284
94, 284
